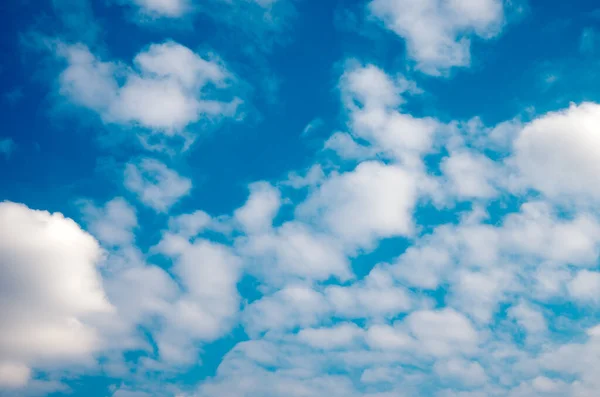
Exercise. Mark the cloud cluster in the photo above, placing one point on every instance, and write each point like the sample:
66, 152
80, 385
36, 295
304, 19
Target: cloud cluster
415, 257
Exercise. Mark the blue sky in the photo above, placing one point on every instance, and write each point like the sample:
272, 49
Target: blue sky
265, 198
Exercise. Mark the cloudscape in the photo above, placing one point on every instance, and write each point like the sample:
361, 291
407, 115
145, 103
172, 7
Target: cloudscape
300, 198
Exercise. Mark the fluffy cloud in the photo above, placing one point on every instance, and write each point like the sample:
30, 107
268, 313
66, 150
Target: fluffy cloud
168, 88
372, 202
466, 310
339, 336
295, 250
377, 296
528, 317
263, 204
156, 185
438, 33
468, 373
536, 235
443, 333
293, 306
189, 225
372, 99
585, 286
557, 154
49, 288
471, 175
113, 225
206, 309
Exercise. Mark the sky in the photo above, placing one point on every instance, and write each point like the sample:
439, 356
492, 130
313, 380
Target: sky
268, 198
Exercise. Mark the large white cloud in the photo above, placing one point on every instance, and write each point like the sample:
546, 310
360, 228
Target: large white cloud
558, 154
49, 288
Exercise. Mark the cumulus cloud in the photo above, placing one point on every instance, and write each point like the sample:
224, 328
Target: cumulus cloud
113, 225
373, 99
465, 310
50, 286
371, 202
585, 286
444, 332
471, 175
263, 204
339, 336
156, 185
377, 296
210, 301
294, 249
557, 153
438, 33
295, 305
168, 87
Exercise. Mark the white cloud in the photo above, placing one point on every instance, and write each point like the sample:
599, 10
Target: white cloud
156, 185
209, 273
169, 88
258, 212
336, 337
373, 201
189, 225
141, 293
371, 87
536, 236
295, 250
48, 289
438, 33
14, 375
443, 332
372, 97
347, 148
376, 296
293, 306
539, 231
585, 286
163, 8
532, 320
314, 176
479, 293
468, 373
381, 335
112, 225
386, 337
471, 175
558, 154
